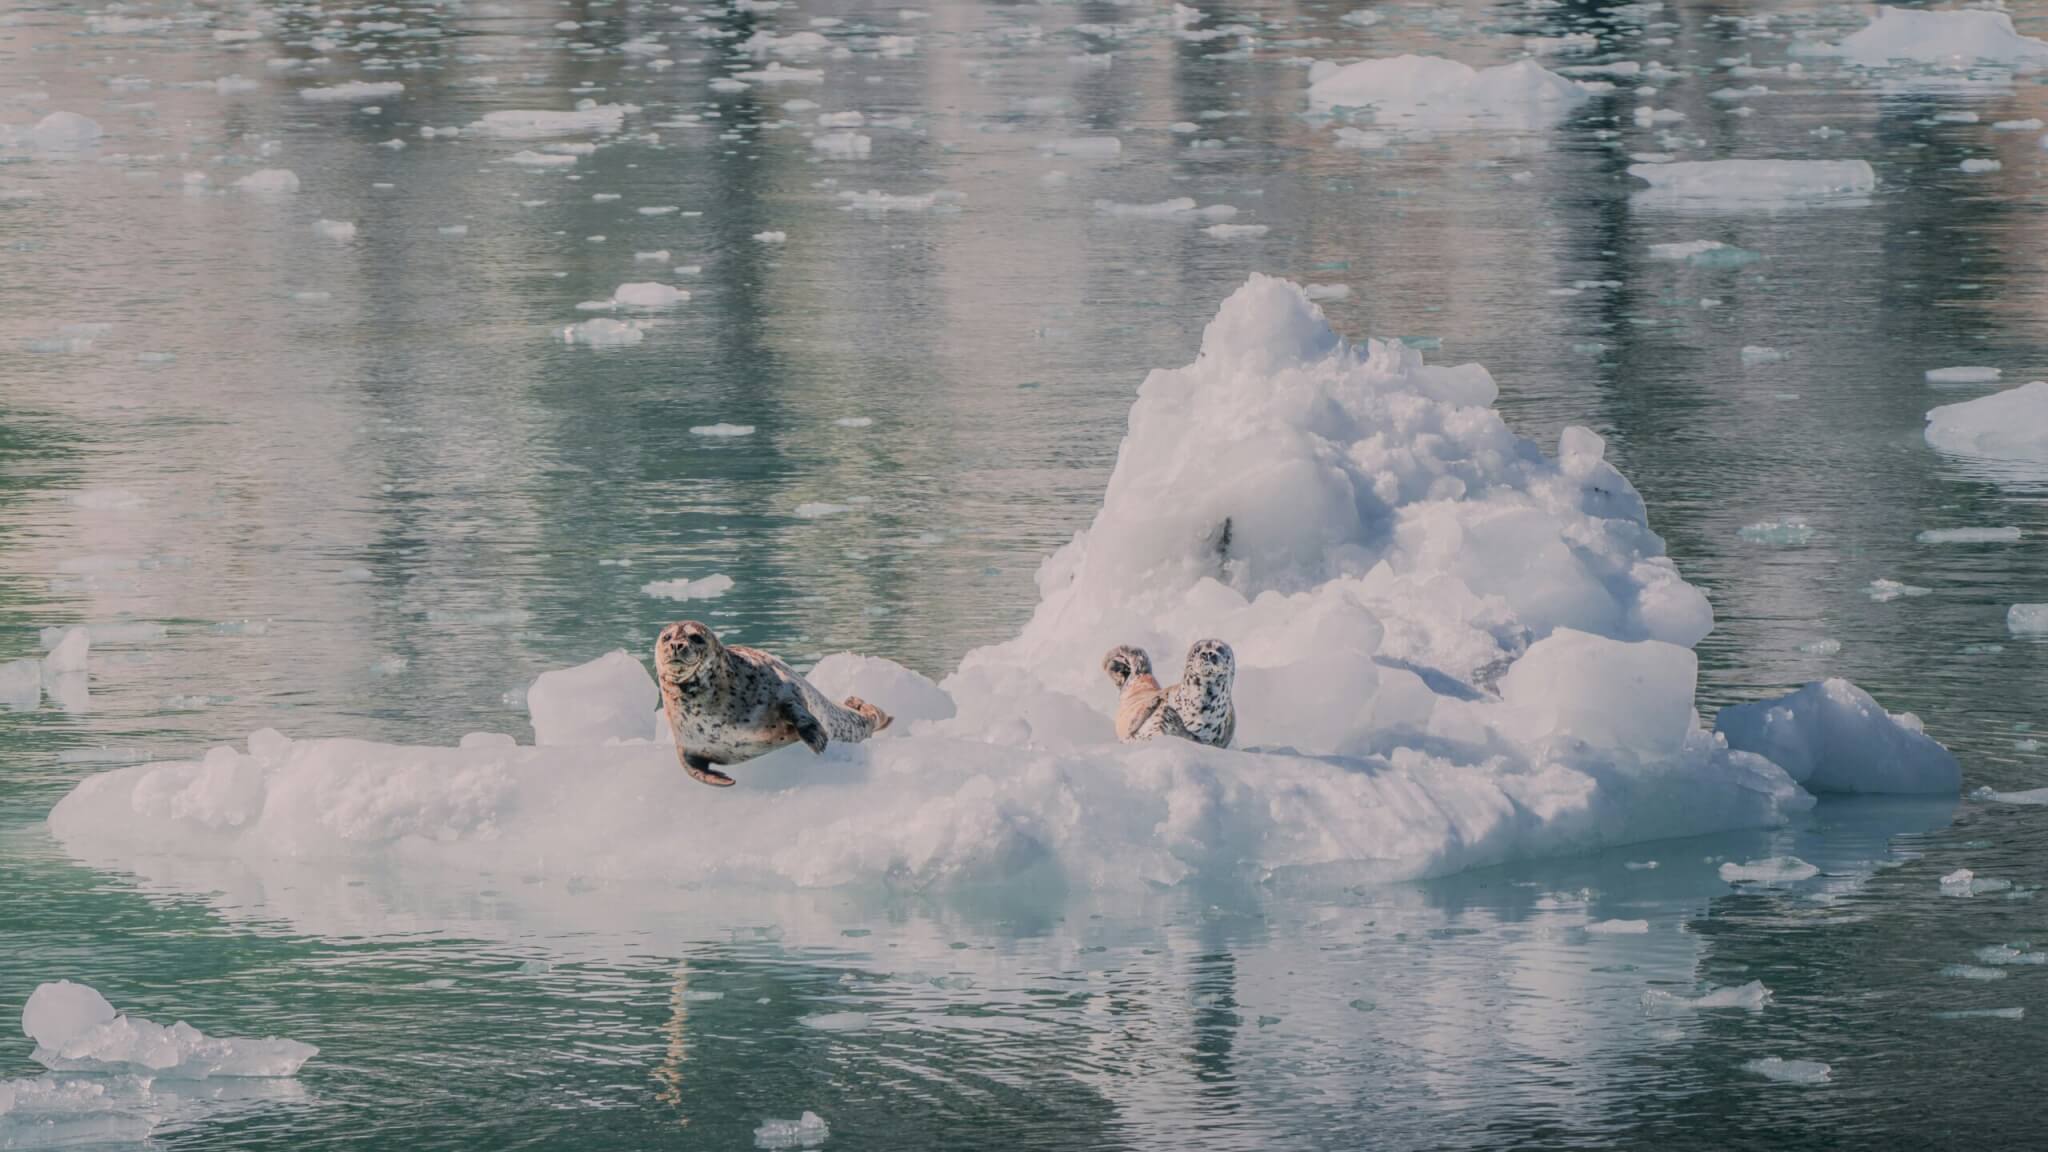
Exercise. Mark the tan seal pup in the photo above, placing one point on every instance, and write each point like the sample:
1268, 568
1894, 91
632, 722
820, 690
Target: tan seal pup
1198, 708
728, 704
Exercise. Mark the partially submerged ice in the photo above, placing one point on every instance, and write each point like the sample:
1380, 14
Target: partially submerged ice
2005, 426
77, 1030
1954, 37
1430, 92
1454, 650
1832, 737
1756, 183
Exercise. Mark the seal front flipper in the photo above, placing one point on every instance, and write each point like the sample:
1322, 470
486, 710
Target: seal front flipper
700, 769
808, 729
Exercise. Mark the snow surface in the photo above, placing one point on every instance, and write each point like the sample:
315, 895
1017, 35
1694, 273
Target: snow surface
1832, 737
1951, 37
1757, 183
2008, 426
1432, 93
76, 1030
1381, 550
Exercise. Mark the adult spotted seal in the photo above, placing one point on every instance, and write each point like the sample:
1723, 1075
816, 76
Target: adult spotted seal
727, 704
1198, 708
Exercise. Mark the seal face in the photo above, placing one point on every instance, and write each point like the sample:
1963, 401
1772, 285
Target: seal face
1198, 708
727, 704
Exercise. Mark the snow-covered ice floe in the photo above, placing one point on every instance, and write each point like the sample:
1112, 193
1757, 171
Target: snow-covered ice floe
1431, 93
1454, 650
1952, 38
1832, 737
1740, 185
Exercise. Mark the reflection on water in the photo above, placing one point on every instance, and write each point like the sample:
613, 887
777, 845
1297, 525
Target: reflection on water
363, 487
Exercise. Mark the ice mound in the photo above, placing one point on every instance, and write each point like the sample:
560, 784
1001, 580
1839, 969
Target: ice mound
1362, 527
2005, 426
76, 1030
1952, 37
1832, 737
1430, 93
609, 698
1757, 183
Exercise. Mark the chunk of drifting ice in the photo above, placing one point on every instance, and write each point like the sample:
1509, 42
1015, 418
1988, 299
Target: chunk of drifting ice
2027, 619
603, 332
648, 296
1178, 208
270, 182
76, 1030
1832, 737
1972, 972
722, 430
1752, 996
1963, 375
1969, 536
1976, 165
1618, 927
1771, 871
355, 91
2010, 954
1884, 591
1568, 683
338, 230
1789, 1071
65, 132
1429, 92
539, 124
844, 145
1235, 231
877, 201
68, 652
819, 509
2010, 425
809, 1131
1779, 532
526, 158
1983, 1014
837, 1022
775, 73
21, 685
1327, 291
1948, 37
1756, 183
707, 588
1086, 147
606, 699
771, 237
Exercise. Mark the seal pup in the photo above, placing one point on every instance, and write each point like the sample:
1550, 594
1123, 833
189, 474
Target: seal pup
728, 704
1198, 708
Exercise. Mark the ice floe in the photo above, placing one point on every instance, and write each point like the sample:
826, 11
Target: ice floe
77, 1030
1832, 737
1432, 93
1790, 1071
706, 588
2010, 426
604, 332
1953, 37
353, 92
1751, 996
807, 1131
2027, 619
1746, 184
1771, 871
588, 119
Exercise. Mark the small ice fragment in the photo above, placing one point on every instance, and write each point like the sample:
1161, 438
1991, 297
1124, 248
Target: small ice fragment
708, 588
604, 332
837, 1022
1772, 870
353, 92
844, 145
1789, 1071
269, 182
1618, 927
68, 651
1236, 232
658, 256
2027, 620
335, 229
1969, 536
1752, 996
1781, 532
1972, 972
1640, 865
1964, 375
76, 1030
1958, 880
648, 296
1761, 354
2010, 954
527, 158
2032, 796
806, 1132
771, 237
855, 421
1976, 164
818, 510
1883, 590
1328, 291
1983, 1014
722, 430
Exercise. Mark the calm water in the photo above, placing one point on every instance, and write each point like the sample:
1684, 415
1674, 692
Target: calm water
363, 487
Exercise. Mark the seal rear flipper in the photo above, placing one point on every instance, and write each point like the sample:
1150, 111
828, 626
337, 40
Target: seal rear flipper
876, 718
700, 769
807, 727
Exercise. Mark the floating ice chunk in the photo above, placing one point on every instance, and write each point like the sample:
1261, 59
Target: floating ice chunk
648, 296
1885, 590
2008, 954
1086, 147
1752, 996
76, 1030
64, 132
68, 651
707, 588
2028, 125
1969, 536
353, 92
1567, 684
1789, 1071
795, 44
270, 182
877, 201
605, 699
818, 510
1235, 231
852, 119
2005, 426
1972, 972
2027, 619
21, 685
775, 73
855, 422
809, 1131
658, 256
837, 1022
1778, 532
526, 158
844, 145
1963, 375
1983, 1014
604, 332
722, 430
538, 124
1428, 92
1618, 927
1178, 208
1770, 871
1327, 291
1349, 137
337, 230
1949, 37
1832, 737
1976, 165
1964, 883
771, 237
1361, 17
1757, 183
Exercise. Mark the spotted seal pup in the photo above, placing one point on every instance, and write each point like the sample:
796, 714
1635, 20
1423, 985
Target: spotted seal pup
727, 704
1198, 708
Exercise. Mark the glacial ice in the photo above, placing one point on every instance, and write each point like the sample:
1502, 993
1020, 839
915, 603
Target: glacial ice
808, 1131
2005, 426
539, 124
1455, 650
648, 296
604, 332
2027, 619
21, 685
1789, 1071
1832, 737
1751, 996
353, 92
1746, 184
1618, 927
705, 588
269, 182
1770, 871
76, 1030
1432, 93
1954, 37
69, 652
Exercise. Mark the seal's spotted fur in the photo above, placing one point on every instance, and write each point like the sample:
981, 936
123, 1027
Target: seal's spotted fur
727, 704
1198, 708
